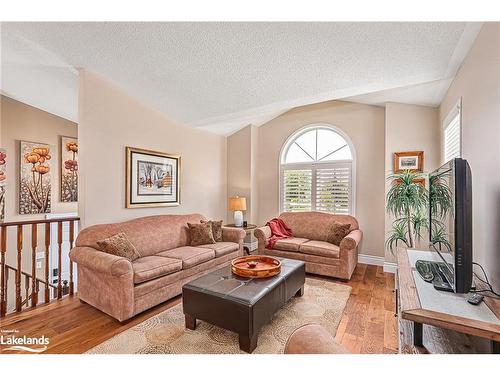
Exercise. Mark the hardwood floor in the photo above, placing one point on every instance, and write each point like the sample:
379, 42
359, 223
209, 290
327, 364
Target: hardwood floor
368, 324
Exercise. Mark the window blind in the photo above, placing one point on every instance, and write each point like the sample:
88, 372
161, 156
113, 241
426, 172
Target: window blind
326, 188
452, 139
297, 190
333, 187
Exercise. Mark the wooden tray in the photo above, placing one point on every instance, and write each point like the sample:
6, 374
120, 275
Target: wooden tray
265, 266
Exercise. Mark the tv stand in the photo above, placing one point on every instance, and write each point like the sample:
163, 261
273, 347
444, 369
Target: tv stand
432, 321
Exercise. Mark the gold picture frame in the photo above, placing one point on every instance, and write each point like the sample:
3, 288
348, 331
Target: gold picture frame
409, 161
153, 178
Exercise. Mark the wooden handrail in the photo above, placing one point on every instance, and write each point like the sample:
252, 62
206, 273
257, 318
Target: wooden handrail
41, 221
24, 273
31, 280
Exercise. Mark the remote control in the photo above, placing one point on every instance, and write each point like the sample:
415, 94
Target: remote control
475, 299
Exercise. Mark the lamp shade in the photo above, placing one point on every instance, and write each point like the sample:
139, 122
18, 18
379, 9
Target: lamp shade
237, 203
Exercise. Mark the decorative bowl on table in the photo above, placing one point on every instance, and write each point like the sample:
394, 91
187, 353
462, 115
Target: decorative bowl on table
256, 266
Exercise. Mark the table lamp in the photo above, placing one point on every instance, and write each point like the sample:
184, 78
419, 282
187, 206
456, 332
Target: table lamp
238, 204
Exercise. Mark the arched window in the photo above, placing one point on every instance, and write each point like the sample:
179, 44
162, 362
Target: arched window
317, 171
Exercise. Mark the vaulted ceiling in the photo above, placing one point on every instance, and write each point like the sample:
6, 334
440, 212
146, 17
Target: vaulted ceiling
223, 76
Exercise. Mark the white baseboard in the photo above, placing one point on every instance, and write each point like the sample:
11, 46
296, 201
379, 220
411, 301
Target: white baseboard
377, 261
390, 267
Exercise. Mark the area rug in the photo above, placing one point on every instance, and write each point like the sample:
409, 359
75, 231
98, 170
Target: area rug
323, 303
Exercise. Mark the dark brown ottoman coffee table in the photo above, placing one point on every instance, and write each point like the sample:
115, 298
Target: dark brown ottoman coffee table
239, 304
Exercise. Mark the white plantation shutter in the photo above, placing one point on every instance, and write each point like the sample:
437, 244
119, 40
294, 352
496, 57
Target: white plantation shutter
452, 140
317, 171
333, 189
297, 190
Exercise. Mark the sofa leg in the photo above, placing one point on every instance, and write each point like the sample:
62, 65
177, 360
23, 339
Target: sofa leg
190, 321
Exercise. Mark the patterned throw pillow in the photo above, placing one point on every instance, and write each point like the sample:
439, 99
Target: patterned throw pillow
119, 245
216, 229
337, 232
201, 234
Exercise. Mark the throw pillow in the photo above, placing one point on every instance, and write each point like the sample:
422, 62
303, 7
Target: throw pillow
201, 234
337, 232
119, 245
216, 229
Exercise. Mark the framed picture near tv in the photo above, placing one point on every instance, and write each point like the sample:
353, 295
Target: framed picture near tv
409, 161
152, 178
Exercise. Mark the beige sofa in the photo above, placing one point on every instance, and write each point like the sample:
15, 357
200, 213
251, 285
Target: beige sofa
310, 230
121, 288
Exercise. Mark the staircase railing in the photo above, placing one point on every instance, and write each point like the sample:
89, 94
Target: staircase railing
31, 280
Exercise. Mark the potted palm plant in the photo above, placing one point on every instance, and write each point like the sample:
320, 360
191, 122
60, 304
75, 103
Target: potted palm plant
407, 200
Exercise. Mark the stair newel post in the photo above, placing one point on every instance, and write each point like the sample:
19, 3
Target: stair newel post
47, 249
19, 267
71, 244
3, 271
59, 259
34, 242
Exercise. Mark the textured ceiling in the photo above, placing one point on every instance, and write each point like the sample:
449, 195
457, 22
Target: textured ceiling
223, 76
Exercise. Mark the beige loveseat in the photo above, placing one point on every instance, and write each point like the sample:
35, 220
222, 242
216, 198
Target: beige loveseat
310, 231
122, 288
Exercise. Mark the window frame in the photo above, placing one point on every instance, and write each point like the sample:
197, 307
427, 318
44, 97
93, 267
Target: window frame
455, 111
314, 165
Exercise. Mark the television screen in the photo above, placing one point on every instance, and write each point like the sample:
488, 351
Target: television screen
442, 212
450, 211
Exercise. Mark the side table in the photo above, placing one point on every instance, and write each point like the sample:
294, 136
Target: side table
249, 237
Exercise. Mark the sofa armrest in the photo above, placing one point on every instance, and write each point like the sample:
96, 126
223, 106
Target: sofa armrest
352, 240
233, 234
100, 261
263, 234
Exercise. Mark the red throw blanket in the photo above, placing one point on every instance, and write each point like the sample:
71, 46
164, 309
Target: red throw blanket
279, 230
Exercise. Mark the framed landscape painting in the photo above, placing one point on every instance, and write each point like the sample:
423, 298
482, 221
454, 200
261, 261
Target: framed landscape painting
409, 161
69, 169
34, 179
152, 178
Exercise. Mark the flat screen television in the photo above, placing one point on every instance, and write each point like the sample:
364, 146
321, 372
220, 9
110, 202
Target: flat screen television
450, 210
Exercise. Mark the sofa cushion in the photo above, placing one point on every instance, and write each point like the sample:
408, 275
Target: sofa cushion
337, 232
150, 235
315, 225
119, 245
201, 234
190, 256
222, 248
148, 268
289, 244
216, 229
320, 248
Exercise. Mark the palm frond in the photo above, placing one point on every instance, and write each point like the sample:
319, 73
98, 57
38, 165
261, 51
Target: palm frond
398, 234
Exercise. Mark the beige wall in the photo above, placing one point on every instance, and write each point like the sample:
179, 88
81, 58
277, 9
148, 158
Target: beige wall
364, 124
23, 122
239, 154
478, 83
20, 121
410, 128
110, 120
241, 170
